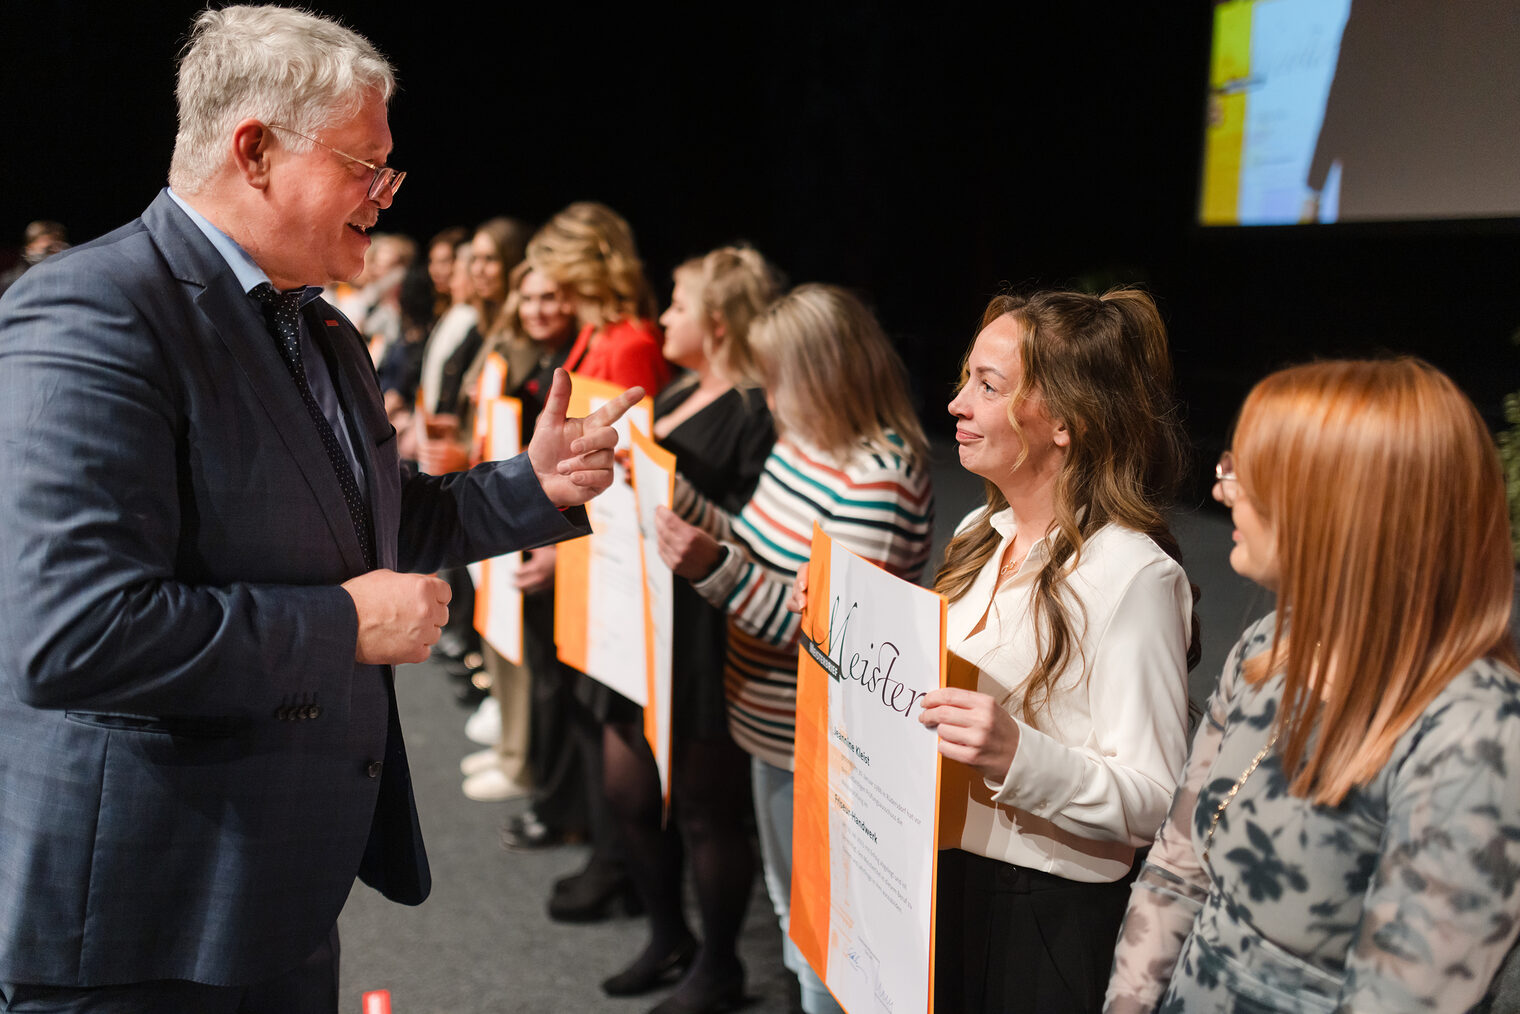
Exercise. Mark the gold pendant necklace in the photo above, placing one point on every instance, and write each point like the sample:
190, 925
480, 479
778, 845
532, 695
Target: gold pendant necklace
1229, 797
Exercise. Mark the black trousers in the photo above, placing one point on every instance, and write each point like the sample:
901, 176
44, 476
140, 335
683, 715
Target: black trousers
559, 791
1018, 941
309, 988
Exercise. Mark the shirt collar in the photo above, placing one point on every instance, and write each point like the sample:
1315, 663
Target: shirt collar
1005, 524
244, 268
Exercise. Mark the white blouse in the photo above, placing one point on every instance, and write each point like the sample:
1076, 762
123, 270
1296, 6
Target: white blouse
448, 334
1091, 780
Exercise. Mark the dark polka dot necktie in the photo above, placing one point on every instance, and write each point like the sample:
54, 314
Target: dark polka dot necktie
282, 315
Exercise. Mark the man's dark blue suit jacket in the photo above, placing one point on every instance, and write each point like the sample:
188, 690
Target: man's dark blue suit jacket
193, 768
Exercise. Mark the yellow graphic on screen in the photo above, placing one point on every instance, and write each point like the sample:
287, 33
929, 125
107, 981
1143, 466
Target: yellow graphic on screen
1224, 134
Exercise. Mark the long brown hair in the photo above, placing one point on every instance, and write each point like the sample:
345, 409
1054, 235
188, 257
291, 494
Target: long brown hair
509, 237
1385, 497
506, 335
1102, 366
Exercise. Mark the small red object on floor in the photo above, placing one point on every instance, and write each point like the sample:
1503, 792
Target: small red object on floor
377, 1001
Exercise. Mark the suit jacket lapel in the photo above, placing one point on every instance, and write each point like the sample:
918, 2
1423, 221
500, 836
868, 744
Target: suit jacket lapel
231, 315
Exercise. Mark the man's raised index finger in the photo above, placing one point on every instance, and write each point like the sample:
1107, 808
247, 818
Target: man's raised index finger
614, 409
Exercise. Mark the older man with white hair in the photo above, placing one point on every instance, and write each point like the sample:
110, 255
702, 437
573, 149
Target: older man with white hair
212, 558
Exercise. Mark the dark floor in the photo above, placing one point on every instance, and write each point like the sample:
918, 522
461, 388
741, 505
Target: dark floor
482, 943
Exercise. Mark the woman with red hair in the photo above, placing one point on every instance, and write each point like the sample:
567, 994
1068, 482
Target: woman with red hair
1347, 833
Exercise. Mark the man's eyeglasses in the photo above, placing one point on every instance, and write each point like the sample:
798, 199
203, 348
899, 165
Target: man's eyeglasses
387, 180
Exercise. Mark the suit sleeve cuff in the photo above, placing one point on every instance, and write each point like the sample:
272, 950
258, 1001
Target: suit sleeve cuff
550, 522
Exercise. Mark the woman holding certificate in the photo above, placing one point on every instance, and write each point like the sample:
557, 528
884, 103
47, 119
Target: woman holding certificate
1066, 595
851, 456
1345, 835
589, 253
714, 420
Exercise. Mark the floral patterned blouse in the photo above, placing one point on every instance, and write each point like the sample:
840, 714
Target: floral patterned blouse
1402, 898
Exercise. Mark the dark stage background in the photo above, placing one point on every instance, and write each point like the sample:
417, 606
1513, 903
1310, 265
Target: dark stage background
922, 158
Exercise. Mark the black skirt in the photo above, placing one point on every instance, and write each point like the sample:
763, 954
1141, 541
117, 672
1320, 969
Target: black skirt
1018, 941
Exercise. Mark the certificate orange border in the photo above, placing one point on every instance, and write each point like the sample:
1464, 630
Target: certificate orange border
811, 904
572, 566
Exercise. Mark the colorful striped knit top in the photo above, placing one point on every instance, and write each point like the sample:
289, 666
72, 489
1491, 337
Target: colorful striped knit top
878, 505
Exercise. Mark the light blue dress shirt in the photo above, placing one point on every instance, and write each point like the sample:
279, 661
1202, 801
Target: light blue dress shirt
250, 276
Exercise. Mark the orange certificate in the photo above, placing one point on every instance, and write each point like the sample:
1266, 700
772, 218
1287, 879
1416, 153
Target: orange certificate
498, 603
867, 781
599, 579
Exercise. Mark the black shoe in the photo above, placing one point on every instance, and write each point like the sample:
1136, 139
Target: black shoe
592, 896
463, 670
650, 971
526, 833
468, 666
469, 692
706, 995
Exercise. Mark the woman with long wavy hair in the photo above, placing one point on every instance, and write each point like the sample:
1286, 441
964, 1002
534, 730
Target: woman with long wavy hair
1347, 833
1066, 595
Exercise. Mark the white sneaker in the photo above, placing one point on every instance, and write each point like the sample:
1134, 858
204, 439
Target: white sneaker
492, 786
484, 727
480, 760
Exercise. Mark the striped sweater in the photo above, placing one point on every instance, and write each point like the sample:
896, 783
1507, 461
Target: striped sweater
878, 505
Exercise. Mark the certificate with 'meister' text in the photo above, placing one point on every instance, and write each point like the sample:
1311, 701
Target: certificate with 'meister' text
867, 779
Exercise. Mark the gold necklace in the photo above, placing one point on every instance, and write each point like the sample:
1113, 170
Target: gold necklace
1229, 797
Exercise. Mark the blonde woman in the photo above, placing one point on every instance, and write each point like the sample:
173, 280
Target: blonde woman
1066, 594
588, 249
544, 314
1345, 838
532, 335
851, 456
715, 421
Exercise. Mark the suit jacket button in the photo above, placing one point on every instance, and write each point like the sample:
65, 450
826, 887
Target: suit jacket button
374, 769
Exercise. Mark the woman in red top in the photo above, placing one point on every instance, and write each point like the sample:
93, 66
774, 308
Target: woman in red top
588, 249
